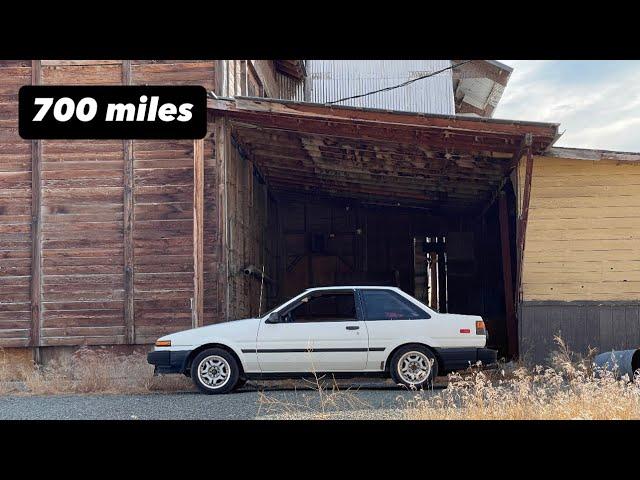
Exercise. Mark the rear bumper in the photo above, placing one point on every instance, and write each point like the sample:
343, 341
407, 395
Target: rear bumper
166, 361
453, 359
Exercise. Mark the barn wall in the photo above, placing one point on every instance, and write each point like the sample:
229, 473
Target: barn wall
15, 210
83, 218
252, 241
581, 275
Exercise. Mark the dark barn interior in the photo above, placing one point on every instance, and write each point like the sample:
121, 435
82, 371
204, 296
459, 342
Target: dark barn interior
336, 196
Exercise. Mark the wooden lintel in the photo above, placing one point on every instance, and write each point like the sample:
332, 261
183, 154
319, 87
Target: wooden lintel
198, 233
405, 135
446, 123
509, 300
36, 230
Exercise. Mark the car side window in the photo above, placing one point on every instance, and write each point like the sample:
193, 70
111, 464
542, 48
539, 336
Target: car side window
325, 307
386, 305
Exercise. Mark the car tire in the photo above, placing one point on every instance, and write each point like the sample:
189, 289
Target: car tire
215, 371
414, 367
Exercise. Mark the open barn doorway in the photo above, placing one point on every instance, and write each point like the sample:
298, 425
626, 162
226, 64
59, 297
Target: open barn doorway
452, 263
345, 196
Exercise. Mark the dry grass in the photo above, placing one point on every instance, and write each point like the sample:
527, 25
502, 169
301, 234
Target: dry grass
329, 400
87, 371
569, 389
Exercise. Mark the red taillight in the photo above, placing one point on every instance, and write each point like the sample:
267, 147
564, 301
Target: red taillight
480, 328
465, 330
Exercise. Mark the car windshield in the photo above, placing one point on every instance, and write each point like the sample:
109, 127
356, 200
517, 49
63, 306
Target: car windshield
278, 306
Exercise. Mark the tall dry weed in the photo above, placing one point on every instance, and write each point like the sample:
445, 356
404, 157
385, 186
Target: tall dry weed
571, 388
87, 371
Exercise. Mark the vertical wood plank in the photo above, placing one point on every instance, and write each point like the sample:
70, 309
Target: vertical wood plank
198, 232
221, 148
511, 321
128, 222
36, 229
524, 215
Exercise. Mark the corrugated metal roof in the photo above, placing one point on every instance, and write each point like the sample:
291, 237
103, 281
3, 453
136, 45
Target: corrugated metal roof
330, 80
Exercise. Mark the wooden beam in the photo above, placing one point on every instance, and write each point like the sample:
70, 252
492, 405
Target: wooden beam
524, 217
222, 148
36, 230
198, 232
433, 279
421, 136
423, 182
513, 164
509, 300
447, 122
128, 223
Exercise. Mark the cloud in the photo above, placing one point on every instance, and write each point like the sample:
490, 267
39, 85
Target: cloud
597, 103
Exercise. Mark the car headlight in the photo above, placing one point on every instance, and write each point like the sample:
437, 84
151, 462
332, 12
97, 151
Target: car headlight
163, 343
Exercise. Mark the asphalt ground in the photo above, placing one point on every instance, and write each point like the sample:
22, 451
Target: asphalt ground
367, 400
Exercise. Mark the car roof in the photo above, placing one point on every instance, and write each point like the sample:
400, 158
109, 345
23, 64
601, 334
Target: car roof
351, 287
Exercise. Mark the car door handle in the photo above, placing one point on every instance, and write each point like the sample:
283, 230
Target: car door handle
353, 327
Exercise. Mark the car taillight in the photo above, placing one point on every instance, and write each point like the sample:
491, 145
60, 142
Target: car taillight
480, 328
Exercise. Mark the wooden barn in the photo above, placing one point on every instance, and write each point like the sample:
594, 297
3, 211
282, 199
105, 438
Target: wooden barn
119, 242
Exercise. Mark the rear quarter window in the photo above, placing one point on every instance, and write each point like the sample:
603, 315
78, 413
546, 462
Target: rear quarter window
386, 305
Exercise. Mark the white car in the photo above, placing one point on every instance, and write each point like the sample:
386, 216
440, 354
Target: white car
343, 331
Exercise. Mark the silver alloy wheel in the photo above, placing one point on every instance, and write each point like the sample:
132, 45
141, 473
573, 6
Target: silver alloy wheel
214, 372
414, 367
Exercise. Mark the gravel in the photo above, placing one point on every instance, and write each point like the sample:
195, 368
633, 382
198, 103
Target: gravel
357, 400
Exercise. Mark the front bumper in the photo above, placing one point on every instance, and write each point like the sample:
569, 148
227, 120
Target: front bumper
453, 359
168, 361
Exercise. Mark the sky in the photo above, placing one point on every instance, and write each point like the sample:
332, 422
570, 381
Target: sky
596, 102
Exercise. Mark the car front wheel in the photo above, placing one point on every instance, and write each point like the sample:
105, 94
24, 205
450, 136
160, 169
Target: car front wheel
215, 371
414, 366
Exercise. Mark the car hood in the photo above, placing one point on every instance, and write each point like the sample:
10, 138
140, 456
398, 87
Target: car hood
232, 330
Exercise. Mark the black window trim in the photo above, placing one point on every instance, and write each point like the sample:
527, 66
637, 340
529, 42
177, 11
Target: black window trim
361, 291
353, 291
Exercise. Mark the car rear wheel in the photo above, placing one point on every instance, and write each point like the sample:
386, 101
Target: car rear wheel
414, 366
215, 371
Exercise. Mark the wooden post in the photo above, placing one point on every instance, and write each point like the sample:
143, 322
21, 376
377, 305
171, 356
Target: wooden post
433, 274
511, 321
524, 217
442, 282
222, 151
128, 222
198, 232
36, 230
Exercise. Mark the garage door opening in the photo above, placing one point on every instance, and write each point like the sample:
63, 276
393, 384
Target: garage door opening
318, 196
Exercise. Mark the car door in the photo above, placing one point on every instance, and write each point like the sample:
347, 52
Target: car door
390, 319
322, 332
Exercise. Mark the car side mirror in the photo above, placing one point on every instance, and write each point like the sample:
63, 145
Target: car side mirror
273, 318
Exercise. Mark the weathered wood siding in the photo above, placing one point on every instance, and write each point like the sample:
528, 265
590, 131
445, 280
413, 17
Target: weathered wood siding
83, 218
252, 223
163, 225
581, 277
15, 210
583, 234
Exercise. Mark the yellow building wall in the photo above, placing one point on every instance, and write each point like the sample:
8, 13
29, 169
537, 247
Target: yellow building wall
583, 233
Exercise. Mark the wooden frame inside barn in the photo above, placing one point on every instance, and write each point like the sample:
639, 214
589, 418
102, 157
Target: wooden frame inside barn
119, 242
